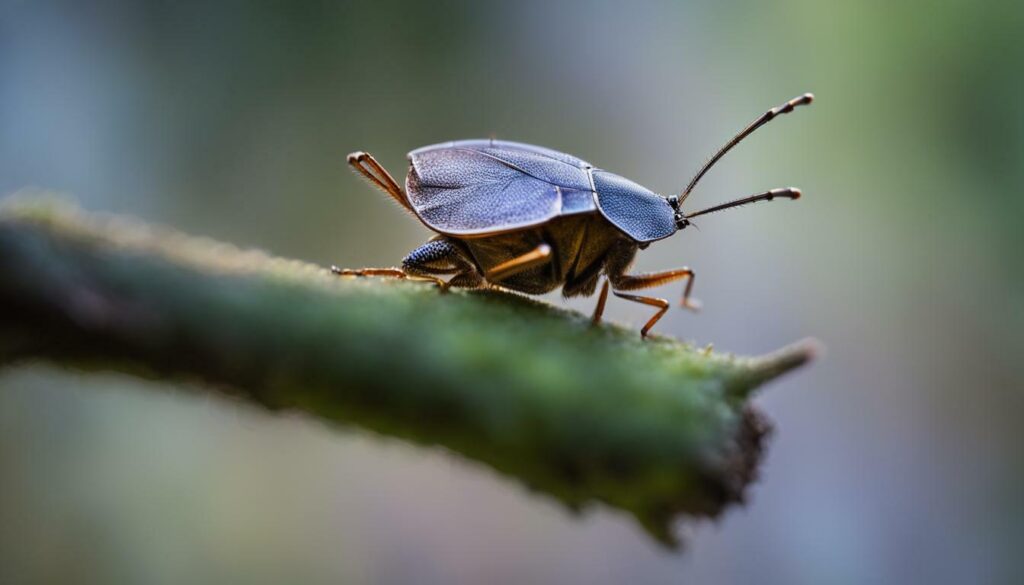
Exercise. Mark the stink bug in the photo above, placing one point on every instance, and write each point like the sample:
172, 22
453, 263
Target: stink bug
531, 219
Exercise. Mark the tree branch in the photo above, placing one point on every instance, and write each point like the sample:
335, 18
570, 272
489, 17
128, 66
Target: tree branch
582, 414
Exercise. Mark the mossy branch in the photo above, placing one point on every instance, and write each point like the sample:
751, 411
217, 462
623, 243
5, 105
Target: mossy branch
580, 413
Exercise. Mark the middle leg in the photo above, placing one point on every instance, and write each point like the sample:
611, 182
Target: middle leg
539, 255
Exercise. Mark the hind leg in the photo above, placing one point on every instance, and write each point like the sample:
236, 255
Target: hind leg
385, 272
437, 257
441, 256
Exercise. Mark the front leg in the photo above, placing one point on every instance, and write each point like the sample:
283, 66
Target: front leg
619, 260
641, 281
652, 279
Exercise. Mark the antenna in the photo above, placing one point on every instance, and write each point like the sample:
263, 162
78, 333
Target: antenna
764, 119
788, 193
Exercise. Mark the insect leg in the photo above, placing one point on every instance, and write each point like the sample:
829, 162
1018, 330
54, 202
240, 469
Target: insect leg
387, 272
619, 260
641, 281
392, 272
601, 300
539, 255
367, 166
441, 256
662, 305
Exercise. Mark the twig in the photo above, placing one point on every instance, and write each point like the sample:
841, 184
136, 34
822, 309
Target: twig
582, 414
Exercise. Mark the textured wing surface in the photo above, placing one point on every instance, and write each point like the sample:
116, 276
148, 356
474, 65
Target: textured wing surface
634, 209
508, 145
481, 186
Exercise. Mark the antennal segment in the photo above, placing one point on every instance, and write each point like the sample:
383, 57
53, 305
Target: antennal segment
764, 119
788, 193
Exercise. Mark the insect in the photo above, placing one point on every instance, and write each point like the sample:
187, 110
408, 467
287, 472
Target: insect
531, 219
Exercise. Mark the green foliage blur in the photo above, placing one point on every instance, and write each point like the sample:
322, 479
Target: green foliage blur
896, 458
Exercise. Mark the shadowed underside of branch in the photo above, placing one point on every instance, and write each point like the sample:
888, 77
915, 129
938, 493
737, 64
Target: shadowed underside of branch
580, 413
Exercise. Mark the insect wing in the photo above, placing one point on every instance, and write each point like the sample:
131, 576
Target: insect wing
480, 187
507, 145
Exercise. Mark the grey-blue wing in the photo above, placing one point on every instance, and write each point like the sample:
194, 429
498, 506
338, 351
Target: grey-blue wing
484, 186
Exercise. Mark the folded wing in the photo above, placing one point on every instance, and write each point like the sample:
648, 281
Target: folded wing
483, 186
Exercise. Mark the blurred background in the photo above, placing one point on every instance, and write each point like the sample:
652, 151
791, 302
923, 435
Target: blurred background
896, 458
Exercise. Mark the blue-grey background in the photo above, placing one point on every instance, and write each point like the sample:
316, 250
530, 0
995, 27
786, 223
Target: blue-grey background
896, 457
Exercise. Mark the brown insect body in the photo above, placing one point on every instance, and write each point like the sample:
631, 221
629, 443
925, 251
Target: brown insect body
580, 245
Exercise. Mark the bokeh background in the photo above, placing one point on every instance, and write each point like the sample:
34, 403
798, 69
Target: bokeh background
897, 457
